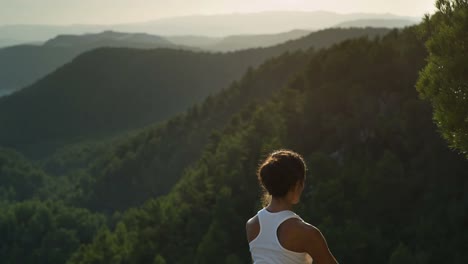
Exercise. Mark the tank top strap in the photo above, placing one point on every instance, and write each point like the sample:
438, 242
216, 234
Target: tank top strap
269, 222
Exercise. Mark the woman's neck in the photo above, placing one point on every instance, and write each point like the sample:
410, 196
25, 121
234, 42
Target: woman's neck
277, 204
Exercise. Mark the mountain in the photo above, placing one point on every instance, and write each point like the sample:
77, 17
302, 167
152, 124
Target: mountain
376, 164
239, 42
109, 39
250, 23
109, 90
24, 64
156, 166
9, 42
381, 23
193, 40
222, 25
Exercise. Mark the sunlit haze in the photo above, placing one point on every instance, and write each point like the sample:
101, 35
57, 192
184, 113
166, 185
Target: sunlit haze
125, 11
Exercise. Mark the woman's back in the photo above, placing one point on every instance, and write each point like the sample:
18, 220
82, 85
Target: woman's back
266, 246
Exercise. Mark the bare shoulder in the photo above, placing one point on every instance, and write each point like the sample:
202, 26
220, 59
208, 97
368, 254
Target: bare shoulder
252, 228
294, 234
315, 244
293, 225
301, 228
309, 231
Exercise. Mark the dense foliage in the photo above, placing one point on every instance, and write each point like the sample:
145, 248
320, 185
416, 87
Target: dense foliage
444, 81
382, 185
151, 162
44, 232
19, 179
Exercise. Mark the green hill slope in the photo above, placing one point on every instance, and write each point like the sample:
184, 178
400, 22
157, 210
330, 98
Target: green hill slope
106, 91
379, 173
151, 162
22, 65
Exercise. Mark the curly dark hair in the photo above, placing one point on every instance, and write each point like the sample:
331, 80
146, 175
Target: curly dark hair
281, 171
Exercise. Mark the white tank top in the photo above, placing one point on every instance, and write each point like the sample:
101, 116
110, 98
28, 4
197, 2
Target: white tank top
266, 248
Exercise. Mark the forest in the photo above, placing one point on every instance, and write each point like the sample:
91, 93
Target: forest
380, 118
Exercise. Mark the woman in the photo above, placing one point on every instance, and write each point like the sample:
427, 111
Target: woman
276, 234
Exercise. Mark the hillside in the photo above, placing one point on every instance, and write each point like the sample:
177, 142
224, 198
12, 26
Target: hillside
107, 91
238, 42
109, 39
24, 64
193, 40
364, 140
152, 155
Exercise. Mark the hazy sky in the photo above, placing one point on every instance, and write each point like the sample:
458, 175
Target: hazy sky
123, 11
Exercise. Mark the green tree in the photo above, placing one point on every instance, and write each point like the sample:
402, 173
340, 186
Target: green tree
444, 80
33, 231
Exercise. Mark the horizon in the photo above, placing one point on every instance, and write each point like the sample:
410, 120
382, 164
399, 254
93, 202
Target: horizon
119, 12
397, 16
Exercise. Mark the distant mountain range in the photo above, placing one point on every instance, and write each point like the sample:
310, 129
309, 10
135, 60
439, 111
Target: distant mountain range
212, 25
23, 64
110, 39
237, 42
109, 90
245, 41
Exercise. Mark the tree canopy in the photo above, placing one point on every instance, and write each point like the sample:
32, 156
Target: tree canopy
444, 80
